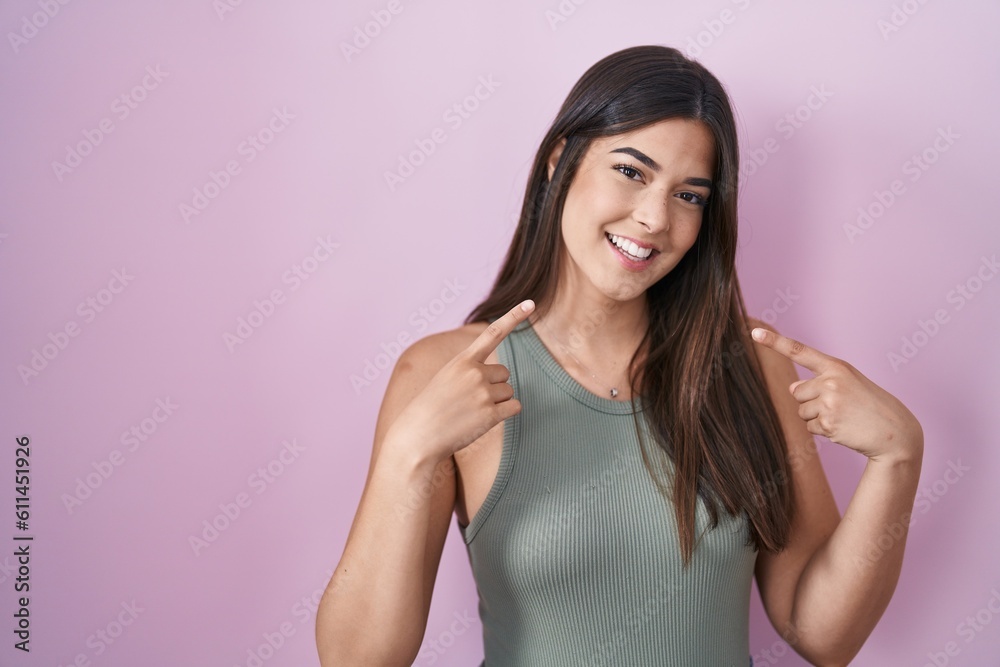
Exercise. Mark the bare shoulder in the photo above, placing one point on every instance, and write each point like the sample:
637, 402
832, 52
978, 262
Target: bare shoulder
475, 465
779, 372
414, 369
435, 350
419, 363
773, 364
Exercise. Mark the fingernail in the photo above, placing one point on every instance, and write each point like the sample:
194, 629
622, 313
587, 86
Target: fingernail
527, 305
758, 334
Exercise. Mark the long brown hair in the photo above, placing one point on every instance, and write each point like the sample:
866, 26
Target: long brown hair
702, 387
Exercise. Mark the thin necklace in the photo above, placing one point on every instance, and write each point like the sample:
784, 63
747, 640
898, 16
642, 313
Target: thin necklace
614, 391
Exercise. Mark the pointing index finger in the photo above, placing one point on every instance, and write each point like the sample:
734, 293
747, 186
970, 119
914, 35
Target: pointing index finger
798, 352
490, 338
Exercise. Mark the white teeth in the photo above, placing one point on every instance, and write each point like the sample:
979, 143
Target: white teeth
630, 247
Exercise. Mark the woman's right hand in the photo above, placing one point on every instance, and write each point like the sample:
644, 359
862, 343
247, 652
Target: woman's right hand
466, 398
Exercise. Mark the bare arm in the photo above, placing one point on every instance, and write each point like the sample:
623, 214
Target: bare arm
826, 591
848, 583
375, 608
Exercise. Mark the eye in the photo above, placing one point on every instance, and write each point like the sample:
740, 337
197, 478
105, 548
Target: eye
626, 169
695, 198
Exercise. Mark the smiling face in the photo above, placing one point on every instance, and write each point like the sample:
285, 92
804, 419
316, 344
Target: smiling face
648, 186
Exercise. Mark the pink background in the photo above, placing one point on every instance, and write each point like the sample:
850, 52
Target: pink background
161, 336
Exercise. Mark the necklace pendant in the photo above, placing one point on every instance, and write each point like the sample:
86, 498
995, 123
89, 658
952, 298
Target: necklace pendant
614, 392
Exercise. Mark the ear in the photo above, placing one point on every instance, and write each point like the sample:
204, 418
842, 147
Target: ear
554, 156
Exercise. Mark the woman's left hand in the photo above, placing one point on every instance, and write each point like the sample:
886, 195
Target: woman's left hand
843, 405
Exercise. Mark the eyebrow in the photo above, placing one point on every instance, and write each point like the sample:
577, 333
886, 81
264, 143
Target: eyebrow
655, 166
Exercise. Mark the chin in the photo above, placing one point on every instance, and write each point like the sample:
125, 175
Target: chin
624, 293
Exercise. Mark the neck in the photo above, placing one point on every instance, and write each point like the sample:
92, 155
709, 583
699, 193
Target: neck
600, 332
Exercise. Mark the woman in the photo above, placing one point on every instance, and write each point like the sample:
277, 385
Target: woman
621, 457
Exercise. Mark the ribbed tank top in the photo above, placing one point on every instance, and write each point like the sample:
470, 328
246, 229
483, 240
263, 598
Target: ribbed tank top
575, 551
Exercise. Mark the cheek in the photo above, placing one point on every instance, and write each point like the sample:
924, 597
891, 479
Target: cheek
594, 201
609, 204
687, 230
693, 234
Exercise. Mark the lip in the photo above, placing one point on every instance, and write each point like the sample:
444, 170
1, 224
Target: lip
629, 264
636, 241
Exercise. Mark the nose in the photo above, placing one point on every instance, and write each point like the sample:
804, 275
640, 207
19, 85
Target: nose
652, 210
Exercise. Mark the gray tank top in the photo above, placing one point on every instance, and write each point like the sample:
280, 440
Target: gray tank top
575, 552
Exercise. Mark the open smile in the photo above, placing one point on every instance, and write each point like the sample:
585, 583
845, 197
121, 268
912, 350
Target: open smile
632, 257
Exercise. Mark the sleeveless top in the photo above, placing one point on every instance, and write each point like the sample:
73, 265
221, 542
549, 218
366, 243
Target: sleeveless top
575, 551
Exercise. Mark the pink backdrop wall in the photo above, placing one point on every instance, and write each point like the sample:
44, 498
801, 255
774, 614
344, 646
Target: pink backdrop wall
226, 160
